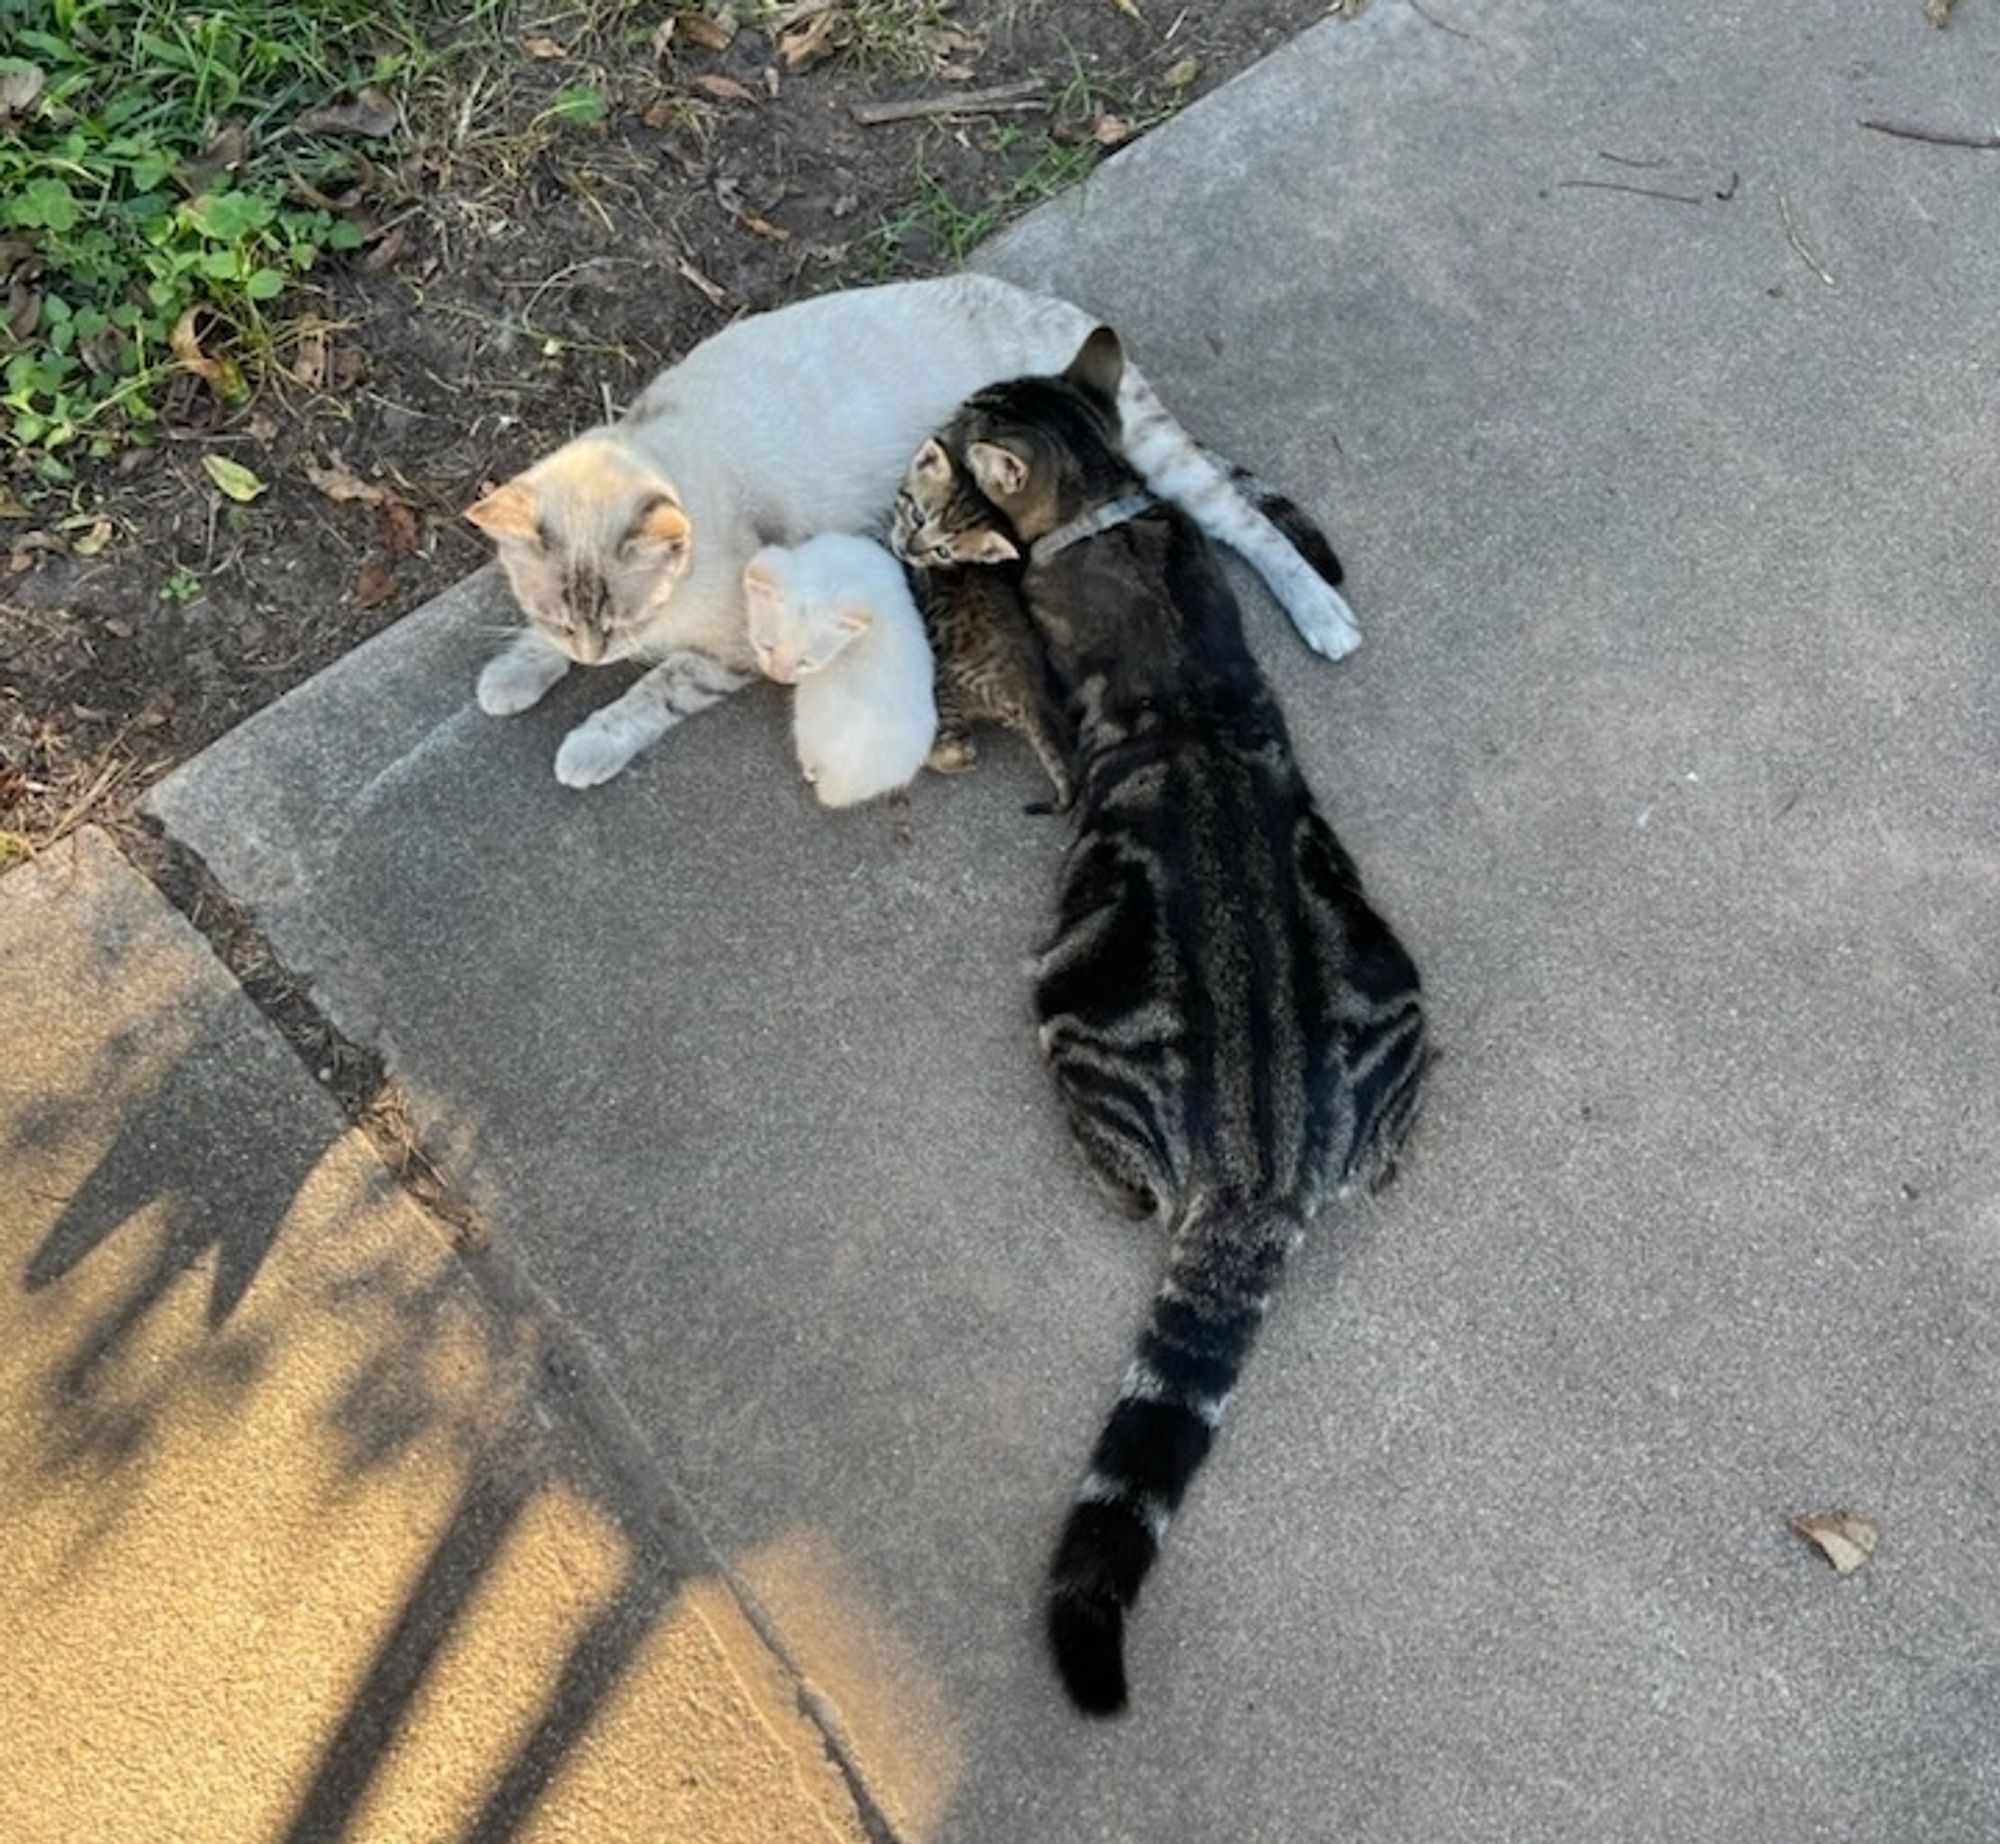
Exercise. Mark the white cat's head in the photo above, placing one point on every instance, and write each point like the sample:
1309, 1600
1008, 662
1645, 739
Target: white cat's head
802, 608
593, 542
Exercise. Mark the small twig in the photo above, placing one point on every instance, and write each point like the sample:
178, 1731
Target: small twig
1798, 243
1612, 185
1424, 12
1627, 159
1938, 137
1002, 98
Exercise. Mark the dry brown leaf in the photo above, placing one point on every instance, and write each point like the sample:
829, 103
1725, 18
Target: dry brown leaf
19, 88
1845, 1539
660, 113
1179, 74
338, 482
724, 89
118, 627
544, 48
385, 251
812, 40
89, 542
224, 154
371, 113
663, 35
1938, 12
223, 376
309, 360
712, 292
711, 31
24, 312
375, 585
12, 507
1110, 130
399, 527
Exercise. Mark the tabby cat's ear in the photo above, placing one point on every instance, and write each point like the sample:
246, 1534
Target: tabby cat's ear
660, 526
1001, 473
511, 511
992, 547
1098, 365
931, 462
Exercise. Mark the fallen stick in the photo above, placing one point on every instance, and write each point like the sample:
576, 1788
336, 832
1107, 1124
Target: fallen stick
1939, 137
1001, 98
1612, 185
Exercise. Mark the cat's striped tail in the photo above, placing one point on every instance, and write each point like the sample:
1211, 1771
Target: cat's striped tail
1235, 508
1225, 1260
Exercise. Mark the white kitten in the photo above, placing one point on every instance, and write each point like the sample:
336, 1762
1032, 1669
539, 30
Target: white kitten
834, 619
630, 541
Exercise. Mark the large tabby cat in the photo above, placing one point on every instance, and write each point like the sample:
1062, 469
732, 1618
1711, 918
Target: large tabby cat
630, 541
1233, 1030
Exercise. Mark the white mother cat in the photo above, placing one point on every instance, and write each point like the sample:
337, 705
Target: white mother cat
630, 542
835, 620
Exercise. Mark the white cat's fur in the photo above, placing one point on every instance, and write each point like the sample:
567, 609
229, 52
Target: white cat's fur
781, 426
835, 620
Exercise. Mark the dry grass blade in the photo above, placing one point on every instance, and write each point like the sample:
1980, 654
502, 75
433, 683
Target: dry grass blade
711, 292
1000, 99
1798, 242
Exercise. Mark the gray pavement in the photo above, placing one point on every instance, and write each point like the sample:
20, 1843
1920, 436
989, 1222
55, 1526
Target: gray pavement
1671, 752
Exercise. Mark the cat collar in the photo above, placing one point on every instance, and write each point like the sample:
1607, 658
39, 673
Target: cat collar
1088, 524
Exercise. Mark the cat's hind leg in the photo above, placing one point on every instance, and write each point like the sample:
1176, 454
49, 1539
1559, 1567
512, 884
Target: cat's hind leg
1179, 469
679, 686
520, 675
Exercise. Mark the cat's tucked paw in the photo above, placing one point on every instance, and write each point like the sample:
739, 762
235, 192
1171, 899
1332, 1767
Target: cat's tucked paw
592, 753
512, 683
951, 755
1325, 622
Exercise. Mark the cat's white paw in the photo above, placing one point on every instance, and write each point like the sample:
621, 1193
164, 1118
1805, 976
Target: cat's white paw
514, 681
592, 753
1325, 622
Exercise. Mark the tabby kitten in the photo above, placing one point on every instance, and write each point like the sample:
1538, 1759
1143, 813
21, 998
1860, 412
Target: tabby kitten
990, 670
1233, 1030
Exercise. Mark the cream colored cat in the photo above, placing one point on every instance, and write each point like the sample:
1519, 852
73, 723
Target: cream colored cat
630, 542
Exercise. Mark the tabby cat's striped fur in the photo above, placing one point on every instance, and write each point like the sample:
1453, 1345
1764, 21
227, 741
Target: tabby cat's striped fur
990, 670
1233, 1030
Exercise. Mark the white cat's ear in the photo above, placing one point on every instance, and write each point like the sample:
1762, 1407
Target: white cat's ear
854, 617
512, 511
1001, 473
660, 527
1098, 365
993, 547
931, 461
764, 576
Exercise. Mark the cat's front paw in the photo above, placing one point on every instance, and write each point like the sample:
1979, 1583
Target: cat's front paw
1325, 622
516, 680
592, 753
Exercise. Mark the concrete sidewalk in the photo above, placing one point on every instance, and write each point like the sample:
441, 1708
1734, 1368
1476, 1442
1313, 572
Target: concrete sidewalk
1671, 751
308, 1536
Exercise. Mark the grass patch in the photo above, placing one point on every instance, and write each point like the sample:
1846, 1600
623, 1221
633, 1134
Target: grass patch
157, 196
